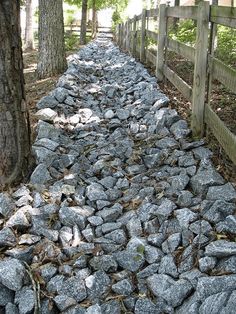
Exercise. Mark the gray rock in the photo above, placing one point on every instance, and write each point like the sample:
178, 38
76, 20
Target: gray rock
6, 205
220, 248
74, 288
211, 285
156, 239
46, 114
123, 287
18, 220
226, 265
60, 94
47, 102
95, 192
146, 306
111, 214
200, 227
152, 254
185, 216
214, 303
204, 179
179, 182
180, 129
47, 143
218, 211
227, 226
168, 266
123, 114
7, 237
109, 114
223, 192
207, 263
25, 300
172, 243
111, 307
105, 262
178, 292
46, 130
134, 227
12, 274
165, 209
97, 284
129, 260
95, 221
184, 199
64, 302
6, 295
117, 236
158, 284
94, 309
69, 216
229, 308
40, 175
47, 271
146, 210
192, 276
148, 271
11, 309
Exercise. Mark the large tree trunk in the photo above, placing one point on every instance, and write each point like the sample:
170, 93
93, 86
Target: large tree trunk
83, 27
29, 36
52, 59
94, 19
14, 127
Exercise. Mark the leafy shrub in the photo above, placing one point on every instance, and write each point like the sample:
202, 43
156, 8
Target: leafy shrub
71, 42
226, 45
185, 33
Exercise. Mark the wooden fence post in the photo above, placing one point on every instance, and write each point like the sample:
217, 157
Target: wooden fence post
200, 66
143, 36
161, 42
134, 43
127, 35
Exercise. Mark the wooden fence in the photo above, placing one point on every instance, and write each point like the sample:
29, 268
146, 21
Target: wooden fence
132, 36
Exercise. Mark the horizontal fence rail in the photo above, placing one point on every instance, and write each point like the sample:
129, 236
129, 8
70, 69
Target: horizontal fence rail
134, 36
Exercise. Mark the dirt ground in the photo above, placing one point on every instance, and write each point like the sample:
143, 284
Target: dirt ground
223, 102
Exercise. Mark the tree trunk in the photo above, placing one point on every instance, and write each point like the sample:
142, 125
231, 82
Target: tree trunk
29, 36
94, 19
83, 27
14, 127
52, 59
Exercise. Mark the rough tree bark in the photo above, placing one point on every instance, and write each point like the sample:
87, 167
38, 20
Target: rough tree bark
94, 19
29, 35
14, 127
83, 27
52, 59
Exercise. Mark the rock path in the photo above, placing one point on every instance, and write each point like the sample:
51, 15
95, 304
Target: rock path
122, 214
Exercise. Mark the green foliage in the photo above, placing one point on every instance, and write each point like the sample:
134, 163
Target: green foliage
69, 16
71, 42
116, 19
186, 32
226, 45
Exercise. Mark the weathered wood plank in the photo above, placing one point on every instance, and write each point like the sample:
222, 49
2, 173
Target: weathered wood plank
152, 35
143, 35
134, 43
182, 49
223, 15
183, 12
178, 82
152, 12
161, 42
152, 58
223, 73
225, 137
200, 67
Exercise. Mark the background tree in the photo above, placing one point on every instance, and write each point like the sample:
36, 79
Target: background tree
51, 59
29, 35
14, 128
83, 27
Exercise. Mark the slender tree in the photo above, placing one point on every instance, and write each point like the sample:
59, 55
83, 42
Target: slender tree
83, 27
94, 19
14, 128
52, 59
29, 35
